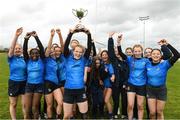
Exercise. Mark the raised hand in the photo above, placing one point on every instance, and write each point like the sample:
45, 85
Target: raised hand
162, 42
33, 33
52, 32
119, 38
28, 35
58, 31
73, 30
19, 31
111, 34
85, 30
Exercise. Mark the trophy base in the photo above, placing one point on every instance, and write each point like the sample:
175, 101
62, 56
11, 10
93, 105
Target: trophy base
80, 28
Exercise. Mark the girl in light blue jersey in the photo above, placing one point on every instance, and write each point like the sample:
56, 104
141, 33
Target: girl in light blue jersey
52, 89
107, 82
17, 78
137, 80
35, 76
156, 80
74, 91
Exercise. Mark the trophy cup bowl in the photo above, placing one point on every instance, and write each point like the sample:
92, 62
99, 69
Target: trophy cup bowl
79, 14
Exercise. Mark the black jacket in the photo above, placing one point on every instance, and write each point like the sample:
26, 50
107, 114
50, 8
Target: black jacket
121, 68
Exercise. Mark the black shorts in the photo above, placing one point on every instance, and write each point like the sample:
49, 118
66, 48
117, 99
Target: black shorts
62, 83
49, 87
16, 88
159, 93
72, 96
34, 88
139, 90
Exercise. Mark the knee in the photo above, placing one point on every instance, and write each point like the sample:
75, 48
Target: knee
140, 107
49, 104
49, 107
152, 114
159, 112
35, 108
13, 104
60, 103
106, 101
66, 116
130, 107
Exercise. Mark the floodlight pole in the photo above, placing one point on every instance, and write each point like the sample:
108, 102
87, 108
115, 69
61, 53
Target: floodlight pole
144, 19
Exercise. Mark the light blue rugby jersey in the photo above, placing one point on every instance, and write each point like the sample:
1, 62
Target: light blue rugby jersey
35, 71
61, 68
156, 74
17, 67
75, 72
137, 67
107, 81
51, 68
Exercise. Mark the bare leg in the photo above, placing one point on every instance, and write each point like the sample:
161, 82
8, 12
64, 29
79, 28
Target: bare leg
67, 110
59, 99
140, 104
131, 98
160, 109
49, 102
107, 99
12, 106
152, 108
35, 104
28, 105
23, 104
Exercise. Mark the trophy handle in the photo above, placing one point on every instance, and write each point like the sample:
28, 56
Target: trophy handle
85, 13
74, 12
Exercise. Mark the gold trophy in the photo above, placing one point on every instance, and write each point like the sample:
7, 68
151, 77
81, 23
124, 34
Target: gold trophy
80, 14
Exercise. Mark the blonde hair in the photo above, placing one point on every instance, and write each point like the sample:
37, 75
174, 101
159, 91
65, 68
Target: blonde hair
138, 46
80, 46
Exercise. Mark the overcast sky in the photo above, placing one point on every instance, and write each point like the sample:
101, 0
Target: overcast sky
103, 16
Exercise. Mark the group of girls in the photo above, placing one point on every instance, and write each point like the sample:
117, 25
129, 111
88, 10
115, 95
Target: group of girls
80, 77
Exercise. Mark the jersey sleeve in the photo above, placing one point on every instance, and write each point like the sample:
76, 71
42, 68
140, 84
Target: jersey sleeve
167, 64
9, 59
110, 69
129, 58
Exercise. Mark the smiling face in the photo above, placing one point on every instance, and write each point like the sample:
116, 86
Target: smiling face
104, 56
137, 51
18, 50
156, 55
78, 51
34, 54
57, 51
147, 52
129, 52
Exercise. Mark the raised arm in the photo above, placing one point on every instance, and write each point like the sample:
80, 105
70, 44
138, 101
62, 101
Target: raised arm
89, 44
41, 48
58, 31
93, 48
25, 46
48, 50
111, 52
13, 44
119, 39
176, 54
67, 42
165, 50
